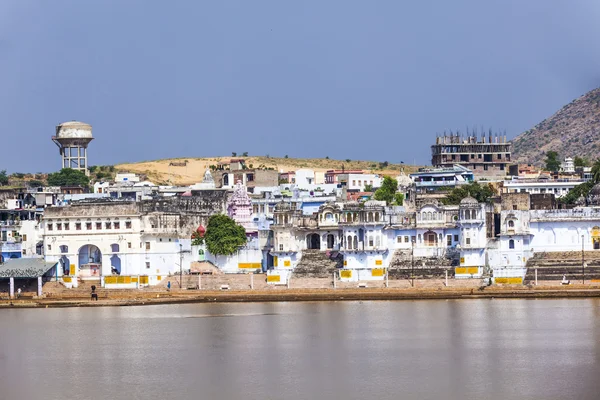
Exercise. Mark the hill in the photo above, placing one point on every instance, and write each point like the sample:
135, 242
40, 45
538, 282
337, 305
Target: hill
162, 172
572, 131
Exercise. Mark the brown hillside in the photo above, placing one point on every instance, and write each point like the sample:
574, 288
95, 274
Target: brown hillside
573, 131
161, 172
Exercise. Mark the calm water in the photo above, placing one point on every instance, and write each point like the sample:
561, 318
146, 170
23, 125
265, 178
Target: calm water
468, 349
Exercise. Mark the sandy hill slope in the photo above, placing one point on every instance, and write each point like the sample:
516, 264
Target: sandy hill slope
163, 172
572, 131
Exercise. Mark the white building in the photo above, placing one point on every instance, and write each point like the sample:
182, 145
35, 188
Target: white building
357, 182
558, 187
568, 165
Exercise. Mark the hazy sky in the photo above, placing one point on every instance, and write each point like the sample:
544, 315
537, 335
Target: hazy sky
340, 78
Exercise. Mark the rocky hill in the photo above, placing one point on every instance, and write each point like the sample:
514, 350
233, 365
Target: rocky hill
573, 131
191, 170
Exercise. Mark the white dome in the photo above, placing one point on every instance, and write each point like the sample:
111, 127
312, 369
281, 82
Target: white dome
74, 130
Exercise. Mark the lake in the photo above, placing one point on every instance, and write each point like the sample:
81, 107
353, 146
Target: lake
455, 349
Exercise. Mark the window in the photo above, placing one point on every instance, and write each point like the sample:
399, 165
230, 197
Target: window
88, 226
66, 226
147, 264
50, 227
107, 225
24, 238
64, 249
449, 240
77, 226
49, 247
514, 206
24, 252
511, 224
249, 177
114, 248
485, 167
128, 245
456, 238
147, 245
371, 241
59, 226
511, 244
280, 247
98, 225
354, 183
127, 224
117, 225
399, 239
406, 239
468, 240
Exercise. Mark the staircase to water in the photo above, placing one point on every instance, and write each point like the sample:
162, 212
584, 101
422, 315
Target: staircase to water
553, 266
318, 264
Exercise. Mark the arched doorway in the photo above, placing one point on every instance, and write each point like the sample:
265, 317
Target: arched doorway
225, 179
90, 260
115, 264
65, 265
330, 241
313, 241
430, 238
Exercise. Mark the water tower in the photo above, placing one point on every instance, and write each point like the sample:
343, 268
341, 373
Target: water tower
72, 139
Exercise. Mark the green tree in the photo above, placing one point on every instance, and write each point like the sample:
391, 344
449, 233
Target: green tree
596, 171
223, 236
482, 193
3, 178
68, 177
581, 162
552, 161
34, 183
368, 188
577, 192
387, 191
398, 199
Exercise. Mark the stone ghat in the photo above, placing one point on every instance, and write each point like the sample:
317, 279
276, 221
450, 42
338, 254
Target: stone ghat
317, 264
554, 266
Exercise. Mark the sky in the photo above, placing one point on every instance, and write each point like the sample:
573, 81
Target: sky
374, 80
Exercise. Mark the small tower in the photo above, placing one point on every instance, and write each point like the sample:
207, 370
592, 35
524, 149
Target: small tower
72, 139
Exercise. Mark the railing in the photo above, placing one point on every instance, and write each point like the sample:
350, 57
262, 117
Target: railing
7, 246
10, 223
440, 183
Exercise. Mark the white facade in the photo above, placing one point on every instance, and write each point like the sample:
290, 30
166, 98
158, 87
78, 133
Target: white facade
568, 165
558, 187
126, 177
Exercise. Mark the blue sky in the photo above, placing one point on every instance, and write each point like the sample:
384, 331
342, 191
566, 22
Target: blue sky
340, 78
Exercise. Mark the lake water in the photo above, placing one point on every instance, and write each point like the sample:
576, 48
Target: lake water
465, 349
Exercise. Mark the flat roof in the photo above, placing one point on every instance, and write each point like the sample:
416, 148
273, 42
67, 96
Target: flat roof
25, 267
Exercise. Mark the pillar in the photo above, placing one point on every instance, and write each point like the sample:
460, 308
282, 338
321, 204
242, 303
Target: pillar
12, 287
39, 288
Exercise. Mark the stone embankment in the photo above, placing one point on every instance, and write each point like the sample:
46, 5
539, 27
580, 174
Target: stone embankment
243, 288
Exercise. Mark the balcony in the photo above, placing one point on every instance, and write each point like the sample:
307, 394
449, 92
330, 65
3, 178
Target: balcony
10, 247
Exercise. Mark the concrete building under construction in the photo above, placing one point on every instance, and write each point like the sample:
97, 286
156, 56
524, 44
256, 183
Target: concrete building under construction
484, 155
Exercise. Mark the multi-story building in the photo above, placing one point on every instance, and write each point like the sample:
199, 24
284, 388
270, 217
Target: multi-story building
484, 156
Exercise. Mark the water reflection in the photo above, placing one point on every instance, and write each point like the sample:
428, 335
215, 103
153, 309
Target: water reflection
490, 349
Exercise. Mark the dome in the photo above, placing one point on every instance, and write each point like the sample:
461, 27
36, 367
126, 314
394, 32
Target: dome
74, 130
201, 230
469, 201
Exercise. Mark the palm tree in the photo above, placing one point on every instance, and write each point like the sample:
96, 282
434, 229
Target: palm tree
596, 171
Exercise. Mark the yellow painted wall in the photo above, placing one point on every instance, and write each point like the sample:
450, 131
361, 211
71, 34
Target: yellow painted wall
273, 278
287, 263
512, 280
143, 280
249, 265
378, 262
378, 272
466, 270
72, 269
346, 273
66, 279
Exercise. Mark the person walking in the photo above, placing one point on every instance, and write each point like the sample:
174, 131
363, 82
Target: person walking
169, 286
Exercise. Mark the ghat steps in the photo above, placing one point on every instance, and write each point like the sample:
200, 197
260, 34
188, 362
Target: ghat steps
553, 266
318, 264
